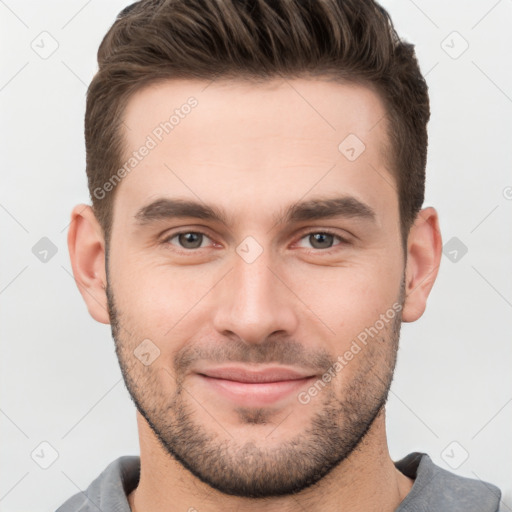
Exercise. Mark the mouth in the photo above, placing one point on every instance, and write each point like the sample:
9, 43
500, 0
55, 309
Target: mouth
252, 388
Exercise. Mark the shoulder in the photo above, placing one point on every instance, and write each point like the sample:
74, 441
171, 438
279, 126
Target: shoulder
438, 489
108, 492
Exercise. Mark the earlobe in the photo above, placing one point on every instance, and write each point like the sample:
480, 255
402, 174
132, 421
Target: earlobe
424, 249
86, 246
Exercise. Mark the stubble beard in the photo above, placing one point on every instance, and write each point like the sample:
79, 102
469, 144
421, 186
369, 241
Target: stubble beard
249, 469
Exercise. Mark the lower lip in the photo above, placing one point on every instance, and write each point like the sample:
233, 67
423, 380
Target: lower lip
256, 394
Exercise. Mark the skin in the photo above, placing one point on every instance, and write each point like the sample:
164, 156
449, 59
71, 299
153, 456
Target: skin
252, 150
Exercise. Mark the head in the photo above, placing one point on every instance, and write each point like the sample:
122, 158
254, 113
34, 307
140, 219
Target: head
257, 174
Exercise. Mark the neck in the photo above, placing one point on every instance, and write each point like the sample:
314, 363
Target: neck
366, 481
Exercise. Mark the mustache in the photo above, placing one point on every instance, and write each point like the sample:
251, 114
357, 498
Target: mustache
283, 352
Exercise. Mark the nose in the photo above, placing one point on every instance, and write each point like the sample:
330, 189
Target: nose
255, 301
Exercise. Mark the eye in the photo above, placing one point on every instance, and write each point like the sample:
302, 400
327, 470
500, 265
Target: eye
188, 239
322, 239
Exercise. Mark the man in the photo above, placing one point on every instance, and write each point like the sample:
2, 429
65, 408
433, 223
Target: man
256, 238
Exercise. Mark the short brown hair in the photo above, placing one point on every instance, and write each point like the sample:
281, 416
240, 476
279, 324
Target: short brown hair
344, 40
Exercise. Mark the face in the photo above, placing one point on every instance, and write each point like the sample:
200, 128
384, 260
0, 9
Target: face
256, 276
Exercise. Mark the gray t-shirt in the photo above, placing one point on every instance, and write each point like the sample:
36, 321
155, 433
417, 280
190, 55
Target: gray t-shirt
434, 489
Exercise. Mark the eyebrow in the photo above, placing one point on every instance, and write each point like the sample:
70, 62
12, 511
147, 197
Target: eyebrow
311, 209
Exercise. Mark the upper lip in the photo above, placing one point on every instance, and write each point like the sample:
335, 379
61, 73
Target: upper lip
239, 374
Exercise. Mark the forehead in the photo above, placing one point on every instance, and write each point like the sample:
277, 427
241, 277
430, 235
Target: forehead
238, 142
298, 107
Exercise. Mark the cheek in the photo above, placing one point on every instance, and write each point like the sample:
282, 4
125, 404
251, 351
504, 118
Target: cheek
160, 302
351, 298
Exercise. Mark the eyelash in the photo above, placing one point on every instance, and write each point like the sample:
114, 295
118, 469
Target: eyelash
342, 240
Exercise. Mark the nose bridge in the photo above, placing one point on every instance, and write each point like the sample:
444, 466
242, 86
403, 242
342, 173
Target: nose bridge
254, 284
255, 302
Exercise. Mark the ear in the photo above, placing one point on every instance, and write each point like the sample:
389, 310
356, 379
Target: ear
424, 249
86, 246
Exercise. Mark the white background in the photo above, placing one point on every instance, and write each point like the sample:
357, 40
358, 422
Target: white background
60, 379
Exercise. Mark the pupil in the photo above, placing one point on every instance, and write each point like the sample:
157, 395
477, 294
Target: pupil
321, 239
190, 240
